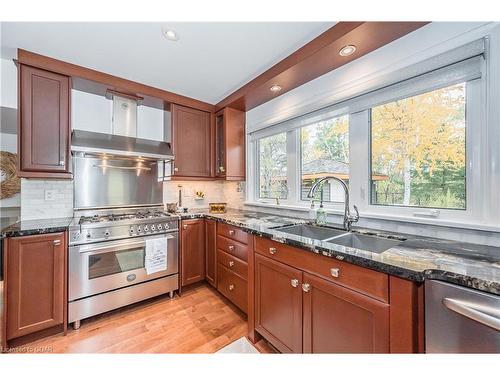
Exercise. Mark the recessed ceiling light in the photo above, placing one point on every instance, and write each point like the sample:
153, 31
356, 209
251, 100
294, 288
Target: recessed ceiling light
275, 88
170, 34
347, 50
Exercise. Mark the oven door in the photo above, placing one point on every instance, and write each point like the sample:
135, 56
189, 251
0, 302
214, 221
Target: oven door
102, 267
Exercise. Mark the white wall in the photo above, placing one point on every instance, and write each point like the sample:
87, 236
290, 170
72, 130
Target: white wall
94, 113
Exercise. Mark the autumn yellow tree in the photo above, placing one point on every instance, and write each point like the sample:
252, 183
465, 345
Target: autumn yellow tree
419, 134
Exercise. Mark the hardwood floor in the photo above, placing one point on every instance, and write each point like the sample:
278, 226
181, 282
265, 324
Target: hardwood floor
201, 321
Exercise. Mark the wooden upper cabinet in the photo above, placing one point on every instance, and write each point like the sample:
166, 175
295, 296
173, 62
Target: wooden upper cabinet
278, 304
44, 123
192, 251
35, 283
230, 144
211, 252
191, 142
340, 320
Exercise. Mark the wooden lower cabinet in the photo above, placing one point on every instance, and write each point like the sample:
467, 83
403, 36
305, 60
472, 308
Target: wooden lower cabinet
278, 304
35, 283
211, 252
339, 320
192, 251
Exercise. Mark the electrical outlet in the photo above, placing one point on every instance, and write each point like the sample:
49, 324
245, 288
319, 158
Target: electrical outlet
50, 195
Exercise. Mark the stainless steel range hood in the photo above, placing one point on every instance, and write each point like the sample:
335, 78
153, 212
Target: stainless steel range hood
123, 142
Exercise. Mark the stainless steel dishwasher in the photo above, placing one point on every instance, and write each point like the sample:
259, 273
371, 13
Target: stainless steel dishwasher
460, 320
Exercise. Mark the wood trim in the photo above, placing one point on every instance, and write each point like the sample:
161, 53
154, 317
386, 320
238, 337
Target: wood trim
252, 335
115, 83
406, 316
3, 310
316, 58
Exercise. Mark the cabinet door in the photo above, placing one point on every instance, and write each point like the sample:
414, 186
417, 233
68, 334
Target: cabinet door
211, 252
234, 122
192, 140
44, 126
35, 282
278, 304
220, 145
192, 251
340, 320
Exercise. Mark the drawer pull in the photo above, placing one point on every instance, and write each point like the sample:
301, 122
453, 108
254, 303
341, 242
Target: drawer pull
231, 232
57, 242
231, 287
306, 287
231, 263
231, 247
294, 282
335, 272
185, 226
273, 250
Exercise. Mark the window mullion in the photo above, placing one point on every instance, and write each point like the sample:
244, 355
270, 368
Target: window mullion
293, 165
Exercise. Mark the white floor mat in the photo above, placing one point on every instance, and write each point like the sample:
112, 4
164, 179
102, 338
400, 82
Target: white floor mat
240, 346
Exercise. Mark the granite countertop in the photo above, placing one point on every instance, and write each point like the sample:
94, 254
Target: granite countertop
40, 226
416, 258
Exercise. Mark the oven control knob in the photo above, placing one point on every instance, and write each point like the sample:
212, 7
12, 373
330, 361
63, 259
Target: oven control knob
160, 227
139, 229
106, 234
153, 227
166, 226
88, 235
146, 228
131, 230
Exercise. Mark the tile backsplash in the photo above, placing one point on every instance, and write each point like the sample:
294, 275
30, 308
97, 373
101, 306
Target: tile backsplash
230, 192
34, 205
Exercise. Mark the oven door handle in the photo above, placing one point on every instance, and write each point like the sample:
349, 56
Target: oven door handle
117, 247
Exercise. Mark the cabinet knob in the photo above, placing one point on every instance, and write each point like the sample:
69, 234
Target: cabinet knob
57, 242
221, 169
294, 282
231, 232
231, 247
61, 163
185, 226
273, 250
231, 286
176, 169
335, 272
306, 287
231, 263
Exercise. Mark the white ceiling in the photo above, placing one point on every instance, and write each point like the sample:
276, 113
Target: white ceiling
208, 62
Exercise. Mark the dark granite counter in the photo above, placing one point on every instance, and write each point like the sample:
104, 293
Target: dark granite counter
416, 258
41, 226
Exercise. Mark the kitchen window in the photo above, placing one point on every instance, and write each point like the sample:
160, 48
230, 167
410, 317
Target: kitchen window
414, 148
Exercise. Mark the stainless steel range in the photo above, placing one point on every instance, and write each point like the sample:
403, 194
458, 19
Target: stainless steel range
107, 259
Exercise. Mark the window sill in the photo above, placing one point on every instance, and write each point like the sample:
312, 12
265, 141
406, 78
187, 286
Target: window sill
386, 217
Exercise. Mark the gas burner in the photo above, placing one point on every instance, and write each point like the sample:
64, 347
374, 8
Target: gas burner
148, 214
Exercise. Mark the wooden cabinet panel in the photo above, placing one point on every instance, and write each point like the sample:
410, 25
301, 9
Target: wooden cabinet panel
230, 144
233, 247
232, 232
192, 251
232, 286
44, 123
370, 282
236, 265
35, 283
211, 252
278, 304
339, 320
191, 142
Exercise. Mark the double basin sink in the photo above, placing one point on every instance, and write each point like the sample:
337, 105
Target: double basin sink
341, 237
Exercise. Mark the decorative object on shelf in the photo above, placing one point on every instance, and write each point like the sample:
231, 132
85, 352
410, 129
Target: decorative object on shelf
11, 184
199, 195
171, 207
217, 208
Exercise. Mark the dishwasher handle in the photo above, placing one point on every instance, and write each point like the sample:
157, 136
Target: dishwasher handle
474, 311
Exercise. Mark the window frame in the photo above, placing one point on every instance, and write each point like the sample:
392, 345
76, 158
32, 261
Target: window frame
480, 176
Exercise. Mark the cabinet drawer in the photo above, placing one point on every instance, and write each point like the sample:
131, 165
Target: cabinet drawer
364, 280
233, 247
232, 232
234, 264
232, 286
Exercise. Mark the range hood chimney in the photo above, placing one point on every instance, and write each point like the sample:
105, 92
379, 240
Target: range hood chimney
123, 141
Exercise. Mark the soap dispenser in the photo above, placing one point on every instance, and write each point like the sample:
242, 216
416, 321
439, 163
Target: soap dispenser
321, 215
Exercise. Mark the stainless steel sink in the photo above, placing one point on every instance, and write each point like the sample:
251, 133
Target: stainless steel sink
365, 242
311, 231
